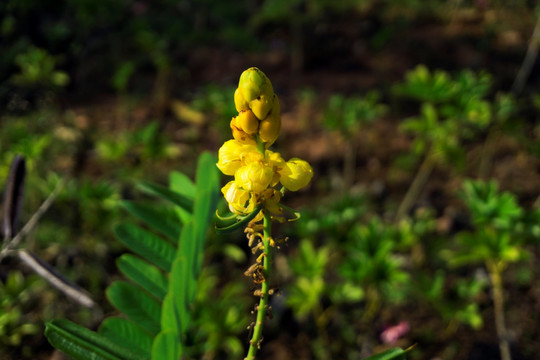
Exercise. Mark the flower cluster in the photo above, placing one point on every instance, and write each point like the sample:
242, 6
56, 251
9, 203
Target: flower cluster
257, 171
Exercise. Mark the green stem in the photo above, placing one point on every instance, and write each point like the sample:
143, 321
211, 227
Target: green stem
486, 160
254, 344
373, 303
498, 305
416, 186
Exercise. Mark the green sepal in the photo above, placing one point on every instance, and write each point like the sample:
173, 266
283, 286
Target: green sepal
241, 221
296, 214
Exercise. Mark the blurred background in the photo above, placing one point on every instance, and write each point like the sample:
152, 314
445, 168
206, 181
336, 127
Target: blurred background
420, 119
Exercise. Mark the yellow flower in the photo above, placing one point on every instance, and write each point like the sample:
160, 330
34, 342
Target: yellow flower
296, 174
233, 155
254, 177
237, 199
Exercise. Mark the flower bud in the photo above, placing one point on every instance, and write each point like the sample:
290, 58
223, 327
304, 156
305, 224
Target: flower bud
240, 134
262, 105
270, 127
239, 101
296, 174
254, 83
248, 122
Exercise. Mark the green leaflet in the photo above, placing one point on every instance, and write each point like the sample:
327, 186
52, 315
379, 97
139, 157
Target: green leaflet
202, 216
182, 184
149, 246
391, 354
207, 178
159, 218
84, 344
137, 305
126, 332
157, 305
175, 315
167, 346
182, 284
164, 193
145, 275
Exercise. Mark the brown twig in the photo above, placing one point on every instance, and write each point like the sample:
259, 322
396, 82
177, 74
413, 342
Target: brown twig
31, 224
528, 61
54, 278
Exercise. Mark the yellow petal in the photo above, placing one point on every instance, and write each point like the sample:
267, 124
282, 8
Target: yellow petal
296, 174
254, 177
276, 162
233, 154
236, 197
229, 157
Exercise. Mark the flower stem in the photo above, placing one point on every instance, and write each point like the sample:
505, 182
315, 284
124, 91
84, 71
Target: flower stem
262, 309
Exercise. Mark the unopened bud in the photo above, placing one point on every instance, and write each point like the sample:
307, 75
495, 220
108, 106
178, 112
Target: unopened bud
254, 83
248, 122
239, 134
270, 127
239, 101
262, 105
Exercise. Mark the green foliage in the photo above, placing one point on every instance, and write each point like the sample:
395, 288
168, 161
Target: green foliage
440, 88
15, 293
218, 323
456, 302
158, 301
453, 109
499, 226
488, 207
348, 115
147, 143
37, 69
333, 218
309, 266
372, 261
